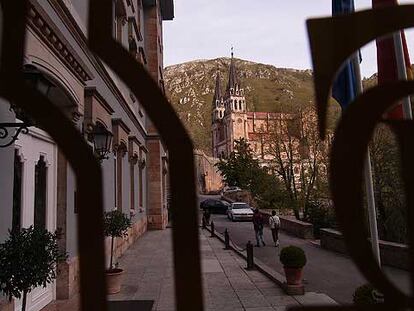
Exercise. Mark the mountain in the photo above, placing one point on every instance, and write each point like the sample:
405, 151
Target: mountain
190, 88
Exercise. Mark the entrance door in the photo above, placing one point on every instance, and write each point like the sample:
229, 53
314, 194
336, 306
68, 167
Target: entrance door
38, 156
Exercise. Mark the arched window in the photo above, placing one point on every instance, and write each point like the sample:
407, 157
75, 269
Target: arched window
240, 105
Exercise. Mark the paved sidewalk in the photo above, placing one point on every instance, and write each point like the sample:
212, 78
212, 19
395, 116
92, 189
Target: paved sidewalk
227, 285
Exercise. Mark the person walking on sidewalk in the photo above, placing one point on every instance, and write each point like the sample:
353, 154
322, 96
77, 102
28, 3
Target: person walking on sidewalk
274, 223
206, 216
258, 227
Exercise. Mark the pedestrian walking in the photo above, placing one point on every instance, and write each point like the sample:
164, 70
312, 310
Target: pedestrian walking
206, 216
274, 223
258, 223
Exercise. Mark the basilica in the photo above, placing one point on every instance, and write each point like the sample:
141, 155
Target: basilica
232, 121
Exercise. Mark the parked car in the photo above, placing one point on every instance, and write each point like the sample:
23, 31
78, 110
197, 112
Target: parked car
240, 211
215, 206
230, 189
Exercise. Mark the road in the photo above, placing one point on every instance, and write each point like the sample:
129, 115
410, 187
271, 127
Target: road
326, 272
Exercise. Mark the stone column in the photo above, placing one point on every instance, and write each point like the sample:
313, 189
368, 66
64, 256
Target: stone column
157, 214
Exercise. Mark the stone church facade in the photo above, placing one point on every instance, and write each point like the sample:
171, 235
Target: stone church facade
231, 120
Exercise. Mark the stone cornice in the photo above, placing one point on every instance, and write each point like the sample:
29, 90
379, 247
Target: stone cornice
119, 122
93, 92
80, 38
50, 34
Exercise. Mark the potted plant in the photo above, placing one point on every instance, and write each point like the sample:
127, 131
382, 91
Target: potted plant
293, 259
28, 259
116, 224
366, 294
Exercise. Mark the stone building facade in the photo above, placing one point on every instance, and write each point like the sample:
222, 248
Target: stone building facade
208, 178
231, 120
37, 184
280, 141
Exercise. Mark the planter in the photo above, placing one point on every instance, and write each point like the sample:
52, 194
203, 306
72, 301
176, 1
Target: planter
293, 275
113, 280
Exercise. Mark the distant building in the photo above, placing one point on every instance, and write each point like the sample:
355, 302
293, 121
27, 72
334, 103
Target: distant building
286, 143
231, 120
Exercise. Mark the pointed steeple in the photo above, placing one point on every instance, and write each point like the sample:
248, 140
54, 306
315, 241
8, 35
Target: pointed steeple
232, 73
217, 91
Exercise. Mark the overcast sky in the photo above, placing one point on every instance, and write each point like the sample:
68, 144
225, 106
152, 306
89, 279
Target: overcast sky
265, 31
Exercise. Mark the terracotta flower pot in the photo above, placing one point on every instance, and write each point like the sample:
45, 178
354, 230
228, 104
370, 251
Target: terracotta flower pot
113, 280
293, 275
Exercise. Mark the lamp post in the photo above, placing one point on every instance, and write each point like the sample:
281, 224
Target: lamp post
36, 80
102, 140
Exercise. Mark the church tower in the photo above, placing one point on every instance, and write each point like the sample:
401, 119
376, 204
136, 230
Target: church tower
218, 131
235, 115
229, 113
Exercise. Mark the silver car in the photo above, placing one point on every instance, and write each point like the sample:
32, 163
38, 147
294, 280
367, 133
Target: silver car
239, 211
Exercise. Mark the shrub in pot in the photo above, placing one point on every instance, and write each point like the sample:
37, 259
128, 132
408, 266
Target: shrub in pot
293, 259
366, 295
116, 225
28, 259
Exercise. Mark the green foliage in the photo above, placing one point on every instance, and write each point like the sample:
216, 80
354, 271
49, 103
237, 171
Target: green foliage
242, 170
239, 168
116, 224
28, 259
267, 191
292, 257
320, 215
388, 186
364, 295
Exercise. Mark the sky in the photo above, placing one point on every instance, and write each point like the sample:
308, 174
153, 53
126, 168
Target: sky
264, 31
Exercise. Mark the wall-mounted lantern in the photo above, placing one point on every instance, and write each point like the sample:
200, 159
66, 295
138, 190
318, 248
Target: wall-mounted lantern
102, 141
35, 79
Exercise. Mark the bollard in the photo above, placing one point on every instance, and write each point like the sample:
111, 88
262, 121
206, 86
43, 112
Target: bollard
249, 251
226, 239
212, 230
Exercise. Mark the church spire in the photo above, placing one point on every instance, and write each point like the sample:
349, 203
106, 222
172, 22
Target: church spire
217, 91
232, 73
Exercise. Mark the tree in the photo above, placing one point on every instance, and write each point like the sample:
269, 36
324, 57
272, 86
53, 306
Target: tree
28, 259
300, 158
239, 168
116, 224
388, 186
243, 170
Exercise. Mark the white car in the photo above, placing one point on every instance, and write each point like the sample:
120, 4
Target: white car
230, 189
239, 211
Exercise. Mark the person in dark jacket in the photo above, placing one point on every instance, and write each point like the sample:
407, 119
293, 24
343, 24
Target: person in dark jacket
206, 216
258, 223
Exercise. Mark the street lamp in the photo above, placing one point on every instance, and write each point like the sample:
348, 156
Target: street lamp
102, 140
36, 80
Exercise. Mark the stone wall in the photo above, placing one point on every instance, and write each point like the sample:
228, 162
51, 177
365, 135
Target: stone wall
67, 285
291, 225
392, 254
209, 179
122, 244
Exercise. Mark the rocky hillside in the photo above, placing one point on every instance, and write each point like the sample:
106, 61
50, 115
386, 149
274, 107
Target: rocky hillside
190, 87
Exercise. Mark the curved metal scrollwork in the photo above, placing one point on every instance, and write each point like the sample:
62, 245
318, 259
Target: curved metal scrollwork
4, 132
69, 140
332, 41
87, 169
188, 284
